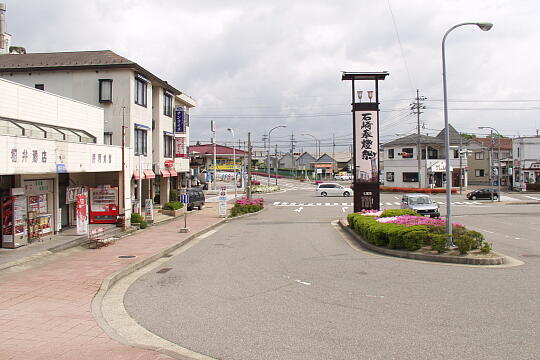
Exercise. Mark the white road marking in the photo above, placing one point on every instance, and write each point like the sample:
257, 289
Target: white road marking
292, 204
276, 203
440, 203
532, 197
336, 204
327, 204
344, 204
344, 209
319, 204
458, 203
299, 210
389, 203
303, 282
396, 203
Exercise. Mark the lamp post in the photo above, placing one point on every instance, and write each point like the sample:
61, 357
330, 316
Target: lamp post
316, 154
483, 27
234, 160
500, 159
268, 155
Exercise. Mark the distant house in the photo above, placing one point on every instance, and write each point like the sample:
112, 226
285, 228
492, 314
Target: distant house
526, 151
485, 151
287, 161
305, 161
401, 161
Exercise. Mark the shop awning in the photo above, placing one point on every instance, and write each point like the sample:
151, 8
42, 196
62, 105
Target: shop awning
136, 175
149, 174
173, 172
165, 173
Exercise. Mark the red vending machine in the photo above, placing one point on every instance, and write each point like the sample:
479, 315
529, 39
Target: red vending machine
103, 205
13, 221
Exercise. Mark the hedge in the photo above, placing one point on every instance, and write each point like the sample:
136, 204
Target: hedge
398, 236
173, 205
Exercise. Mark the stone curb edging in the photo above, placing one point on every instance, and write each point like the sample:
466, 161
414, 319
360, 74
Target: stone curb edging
110, 280
500, 260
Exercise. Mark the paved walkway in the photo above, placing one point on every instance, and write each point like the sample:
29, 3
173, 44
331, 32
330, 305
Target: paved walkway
45, 311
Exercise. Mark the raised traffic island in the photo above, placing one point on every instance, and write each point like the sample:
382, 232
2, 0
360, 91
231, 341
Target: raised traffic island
405, 234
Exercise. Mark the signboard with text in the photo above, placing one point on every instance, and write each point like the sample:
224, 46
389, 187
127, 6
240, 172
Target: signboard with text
179, 120
179, 147
367, 144
223, 201
81, 212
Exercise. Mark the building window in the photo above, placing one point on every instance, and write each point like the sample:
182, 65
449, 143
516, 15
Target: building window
456, 153
479, 155
410, 177
479, 173
168, 146
390, 176
390, 153
140, 92
407, 153
167, 105
40, 87
105, 90
107, 138
140, 141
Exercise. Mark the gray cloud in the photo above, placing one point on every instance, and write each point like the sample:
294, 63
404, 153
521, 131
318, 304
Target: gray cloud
283, 58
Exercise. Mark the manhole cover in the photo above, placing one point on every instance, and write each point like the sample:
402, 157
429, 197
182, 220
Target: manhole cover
126, 256
531, 255
163, 271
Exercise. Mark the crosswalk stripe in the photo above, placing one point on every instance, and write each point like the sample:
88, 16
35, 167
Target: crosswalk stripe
396, 203
458, 203
319, 204
389, 203
344, 204
276, 203
327, 204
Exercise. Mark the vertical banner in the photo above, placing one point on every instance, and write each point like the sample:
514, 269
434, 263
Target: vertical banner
81, 214
223, 202
149, 210
179, 147
367, 145
179, 120
366, 188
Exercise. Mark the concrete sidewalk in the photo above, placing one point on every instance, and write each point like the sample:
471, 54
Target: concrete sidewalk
45, 310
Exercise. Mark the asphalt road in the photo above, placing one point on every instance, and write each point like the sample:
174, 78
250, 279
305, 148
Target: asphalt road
286, 284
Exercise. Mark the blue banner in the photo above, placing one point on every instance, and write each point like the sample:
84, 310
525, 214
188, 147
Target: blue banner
179, 121
61, 169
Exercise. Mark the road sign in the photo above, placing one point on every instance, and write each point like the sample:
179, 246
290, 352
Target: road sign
184, 198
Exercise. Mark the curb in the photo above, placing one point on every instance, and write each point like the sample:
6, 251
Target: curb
522, 203
500, 260
228, 219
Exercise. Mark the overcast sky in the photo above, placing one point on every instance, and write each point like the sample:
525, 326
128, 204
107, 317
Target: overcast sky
252, 65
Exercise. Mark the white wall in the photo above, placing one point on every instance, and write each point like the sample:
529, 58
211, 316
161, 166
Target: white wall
27, 103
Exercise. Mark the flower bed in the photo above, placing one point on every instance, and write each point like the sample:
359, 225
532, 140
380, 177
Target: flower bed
415, 190
404, 229
264, 188
246, 206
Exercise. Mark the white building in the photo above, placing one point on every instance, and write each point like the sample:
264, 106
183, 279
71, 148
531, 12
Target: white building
526, 152
154, 113
401, 161
51, 145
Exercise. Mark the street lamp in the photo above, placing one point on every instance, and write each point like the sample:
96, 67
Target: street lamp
268, 157
234, 160
483, 27
316, 154
491, 162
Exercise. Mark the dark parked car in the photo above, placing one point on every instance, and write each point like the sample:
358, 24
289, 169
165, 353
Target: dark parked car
196, 198
483, 194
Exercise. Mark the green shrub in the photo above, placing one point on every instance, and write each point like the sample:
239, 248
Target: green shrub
399, 212
464, 243
136, 218
173, 205
173, 195
438, 242
414, 240
477, 237
239, 209
485, 247
143, 224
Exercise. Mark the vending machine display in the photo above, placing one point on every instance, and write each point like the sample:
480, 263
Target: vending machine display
13, 213
103, 205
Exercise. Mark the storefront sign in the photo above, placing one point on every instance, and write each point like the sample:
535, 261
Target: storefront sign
38, 186
179, 147
367, 144
17, 191
149, 210
28, 156
82, 215
179, 120
61, 169
169, 163
72, 192
226, 164
223, 202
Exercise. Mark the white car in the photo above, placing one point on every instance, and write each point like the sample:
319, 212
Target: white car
333, 189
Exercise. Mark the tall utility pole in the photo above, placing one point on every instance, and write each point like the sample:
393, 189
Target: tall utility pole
276, 166
249, 167
416, 108
293, 162
334, 146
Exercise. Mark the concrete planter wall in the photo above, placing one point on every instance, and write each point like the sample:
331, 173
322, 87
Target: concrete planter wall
174, 213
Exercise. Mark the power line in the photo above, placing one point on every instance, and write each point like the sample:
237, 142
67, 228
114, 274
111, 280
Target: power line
400, 45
